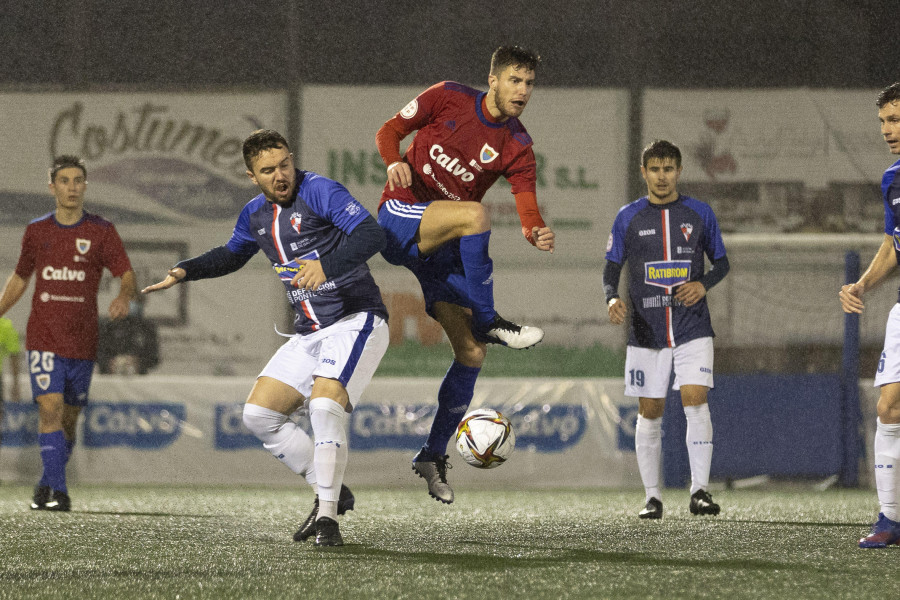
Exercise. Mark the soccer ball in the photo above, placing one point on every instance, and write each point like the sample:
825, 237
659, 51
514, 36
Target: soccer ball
485, 438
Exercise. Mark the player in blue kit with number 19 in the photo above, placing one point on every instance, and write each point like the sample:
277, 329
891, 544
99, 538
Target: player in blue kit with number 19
664, 237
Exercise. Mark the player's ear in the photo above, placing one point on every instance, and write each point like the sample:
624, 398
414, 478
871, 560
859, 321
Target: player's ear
252, 177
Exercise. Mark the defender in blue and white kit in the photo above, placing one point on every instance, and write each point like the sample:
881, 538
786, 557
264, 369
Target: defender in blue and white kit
318, 238
886, 530
664, 238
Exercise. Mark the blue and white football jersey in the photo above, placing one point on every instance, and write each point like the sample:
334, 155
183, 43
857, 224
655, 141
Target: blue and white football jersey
890, 191
315, 224
664, 245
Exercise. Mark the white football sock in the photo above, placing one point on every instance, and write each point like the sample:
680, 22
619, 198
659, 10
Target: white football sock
283, 438
648, 446
887, 453
699, 444
329, 420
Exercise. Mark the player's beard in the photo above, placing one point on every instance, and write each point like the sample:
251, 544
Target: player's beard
282, 192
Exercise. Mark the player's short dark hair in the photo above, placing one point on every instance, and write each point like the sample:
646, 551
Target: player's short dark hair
515, 56
889, 94
65, 161
261, 140
662, 150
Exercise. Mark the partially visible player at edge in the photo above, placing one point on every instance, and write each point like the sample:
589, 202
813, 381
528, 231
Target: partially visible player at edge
886, 530
68, 249
317, 238
664, 237
437, 228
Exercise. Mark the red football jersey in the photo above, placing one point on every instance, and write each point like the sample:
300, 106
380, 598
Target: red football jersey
68, 261
459, 151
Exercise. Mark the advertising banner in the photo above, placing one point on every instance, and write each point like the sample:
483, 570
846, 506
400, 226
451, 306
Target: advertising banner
183, 430
815, 137
168, 171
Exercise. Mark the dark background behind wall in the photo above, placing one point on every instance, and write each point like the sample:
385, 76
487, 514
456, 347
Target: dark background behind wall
273, 43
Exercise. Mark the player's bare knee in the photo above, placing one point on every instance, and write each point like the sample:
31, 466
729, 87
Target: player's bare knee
471, 355
888, 409
479, 217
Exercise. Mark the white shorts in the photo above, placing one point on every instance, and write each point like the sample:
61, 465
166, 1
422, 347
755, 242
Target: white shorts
889, 364
348, 351
647, 370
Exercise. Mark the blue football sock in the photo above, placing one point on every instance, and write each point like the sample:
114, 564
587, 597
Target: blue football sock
454, 397
479, 269
53, 455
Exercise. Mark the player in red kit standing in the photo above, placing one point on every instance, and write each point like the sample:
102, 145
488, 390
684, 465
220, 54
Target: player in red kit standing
68, 250
437, 228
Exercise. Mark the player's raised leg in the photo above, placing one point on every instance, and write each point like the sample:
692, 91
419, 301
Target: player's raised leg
469, 222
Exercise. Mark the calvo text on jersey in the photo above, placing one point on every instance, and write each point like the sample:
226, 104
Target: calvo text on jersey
453, 166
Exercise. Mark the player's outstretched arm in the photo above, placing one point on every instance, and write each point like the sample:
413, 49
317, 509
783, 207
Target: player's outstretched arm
175, 275
881, 266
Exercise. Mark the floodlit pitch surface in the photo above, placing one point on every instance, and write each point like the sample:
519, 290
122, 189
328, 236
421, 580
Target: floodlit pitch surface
159, 542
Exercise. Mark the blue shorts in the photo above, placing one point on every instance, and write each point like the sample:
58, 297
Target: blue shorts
441, 273
52, 374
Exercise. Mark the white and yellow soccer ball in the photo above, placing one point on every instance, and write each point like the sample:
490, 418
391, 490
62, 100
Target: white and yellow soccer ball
485, 438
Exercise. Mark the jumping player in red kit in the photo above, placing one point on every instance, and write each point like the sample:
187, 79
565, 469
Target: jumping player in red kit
437, 228
68, 250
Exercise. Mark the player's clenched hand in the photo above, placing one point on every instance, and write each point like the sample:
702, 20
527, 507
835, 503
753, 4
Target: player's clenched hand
175, 275
310, 276
617, 311
118, 308
399, 175
851, 298
690, 293
544, 238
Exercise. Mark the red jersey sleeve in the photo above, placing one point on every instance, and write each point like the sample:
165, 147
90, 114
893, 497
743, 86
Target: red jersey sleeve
529, 215
388, 141
114, 256
411, 117
25, 266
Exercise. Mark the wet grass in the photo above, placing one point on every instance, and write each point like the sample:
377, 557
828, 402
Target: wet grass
412, 359
210, 542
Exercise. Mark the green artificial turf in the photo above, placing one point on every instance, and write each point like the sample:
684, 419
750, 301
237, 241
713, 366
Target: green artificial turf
215, 542
412, 359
